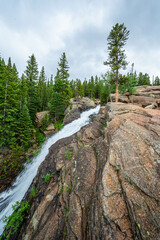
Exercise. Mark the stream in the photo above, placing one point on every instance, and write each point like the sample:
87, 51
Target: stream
18, 189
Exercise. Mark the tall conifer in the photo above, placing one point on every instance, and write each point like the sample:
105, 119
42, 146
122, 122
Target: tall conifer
31, 75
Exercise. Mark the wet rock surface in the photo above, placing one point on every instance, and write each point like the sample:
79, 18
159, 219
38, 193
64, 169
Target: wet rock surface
77, 106
105, 180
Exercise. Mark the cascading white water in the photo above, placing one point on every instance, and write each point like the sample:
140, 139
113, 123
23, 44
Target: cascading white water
23, 181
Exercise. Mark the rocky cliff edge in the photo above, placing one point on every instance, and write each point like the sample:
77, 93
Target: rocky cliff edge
105, 180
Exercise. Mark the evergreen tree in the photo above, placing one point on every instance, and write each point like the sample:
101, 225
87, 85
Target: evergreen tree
3, 85
31, 75
79, 91
23, 91
50, 88
116, 60
9, 103
2, 98
97, 87
42, 90
106, 88
73, 88
63, 74
63, 68
91, 87
85, 87
61, 90
57, 106
143, 79
156, 81
25, 128
57, 103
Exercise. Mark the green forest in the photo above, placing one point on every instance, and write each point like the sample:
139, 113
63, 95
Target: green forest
22, 97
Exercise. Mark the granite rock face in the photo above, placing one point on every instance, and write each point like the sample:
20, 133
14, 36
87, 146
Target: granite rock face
144, 96
77, 106
131, 186
105, 181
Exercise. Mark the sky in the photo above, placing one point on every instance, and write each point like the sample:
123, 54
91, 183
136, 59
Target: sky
47, 28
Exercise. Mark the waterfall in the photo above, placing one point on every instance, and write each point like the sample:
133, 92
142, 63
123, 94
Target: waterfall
17, 191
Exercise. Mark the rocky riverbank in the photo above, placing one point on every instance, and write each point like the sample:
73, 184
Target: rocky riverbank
75, 108
12, 163
104, 180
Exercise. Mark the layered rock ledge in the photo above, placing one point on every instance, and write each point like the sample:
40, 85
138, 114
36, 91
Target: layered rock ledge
105, 181
143, 96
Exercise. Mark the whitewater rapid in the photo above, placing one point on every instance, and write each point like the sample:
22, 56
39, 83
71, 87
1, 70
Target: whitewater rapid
17, 191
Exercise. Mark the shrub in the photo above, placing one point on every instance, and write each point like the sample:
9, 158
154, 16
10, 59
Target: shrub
68, 155
58, 125
40, 137
47, 177
14, 221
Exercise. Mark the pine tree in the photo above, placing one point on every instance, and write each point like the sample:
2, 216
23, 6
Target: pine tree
42, 90
85, 87
97, 87
25, 128
23, 91
3, 83
143, 79
156, 81
57, 103
106, 88
116, 60
73, 88
79, 88
57, 106
2, 98
61, 90
50, 88
91, 87
9, 103
31, 75
63, 74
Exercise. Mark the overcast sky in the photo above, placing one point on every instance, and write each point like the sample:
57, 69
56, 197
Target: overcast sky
48, 28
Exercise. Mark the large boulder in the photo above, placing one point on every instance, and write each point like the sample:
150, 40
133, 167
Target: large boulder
72, 114
105, 180
77, 106
50, 130
40, 116
44, 116
142, 100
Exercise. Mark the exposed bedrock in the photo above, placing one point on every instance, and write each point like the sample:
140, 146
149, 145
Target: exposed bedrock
143, 96
105, 182
78, 105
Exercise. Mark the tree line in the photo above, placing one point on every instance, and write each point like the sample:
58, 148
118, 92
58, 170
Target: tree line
21, 98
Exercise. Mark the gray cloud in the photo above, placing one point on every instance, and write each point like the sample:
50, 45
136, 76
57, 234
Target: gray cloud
80, 28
